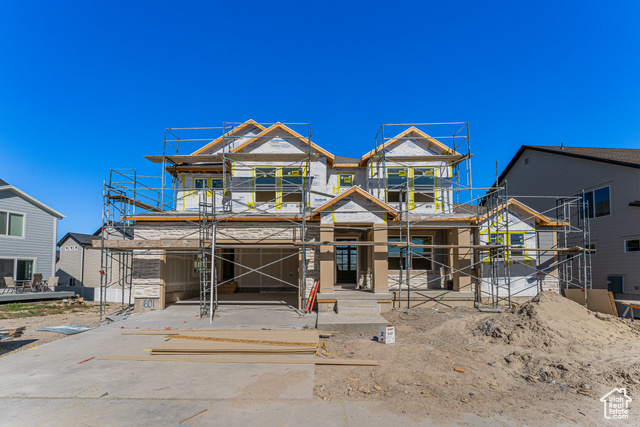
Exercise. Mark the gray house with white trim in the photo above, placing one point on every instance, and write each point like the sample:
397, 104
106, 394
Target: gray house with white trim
610, 179
28, 235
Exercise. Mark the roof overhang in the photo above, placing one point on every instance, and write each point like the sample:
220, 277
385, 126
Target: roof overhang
32, 200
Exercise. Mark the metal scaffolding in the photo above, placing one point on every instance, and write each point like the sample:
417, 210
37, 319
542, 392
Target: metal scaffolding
428, 196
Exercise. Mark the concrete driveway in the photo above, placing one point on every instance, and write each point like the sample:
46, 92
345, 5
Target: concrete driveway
55, 384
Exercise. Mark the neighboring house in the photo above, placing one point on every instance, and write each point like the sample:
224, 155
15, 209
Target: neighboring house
28, 230
80, 262
273, 192
610, 179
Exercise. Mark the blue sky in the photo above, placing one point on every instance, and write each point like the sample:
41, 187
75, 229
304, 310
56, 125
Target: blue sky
89, 86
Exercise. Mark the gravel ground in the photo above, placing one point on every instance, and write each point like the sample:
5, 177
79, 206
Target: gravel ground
31, 337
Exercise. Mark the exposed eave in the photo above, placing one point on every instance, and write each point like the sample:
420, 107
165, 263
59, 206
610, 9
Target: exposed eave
232, 132
279, 126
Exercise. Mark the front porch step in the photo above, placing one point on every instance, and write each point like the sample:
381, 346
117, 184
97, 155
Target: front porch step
331, 321
358, 307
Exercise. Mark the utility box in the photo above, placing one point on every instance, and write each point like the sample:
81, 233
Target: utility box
387, 334
615, 284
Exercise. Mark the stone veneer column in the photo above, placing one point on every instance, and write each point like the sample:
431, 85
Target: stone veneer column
461, 259
148, 283
380, 260
327, 259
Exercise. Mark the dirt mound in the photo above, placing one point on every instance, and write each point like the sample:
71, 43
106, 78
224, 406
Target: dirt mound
553, 323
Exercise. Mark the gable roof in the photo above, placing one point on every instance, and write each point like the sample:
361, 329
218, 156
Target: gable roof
32, 200
411, 132
288, 130
232, 132
629, 157
359, 191
540, 218
2, 182
83, 239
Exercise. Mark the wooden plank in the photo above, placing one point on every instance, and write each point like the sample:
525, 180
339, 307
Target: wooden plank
205, 346
434, 158
219, 339
151, 333
613, 304
186, 158
265, 359
138, 203
220, 217
309, 336
271, 157
186, 243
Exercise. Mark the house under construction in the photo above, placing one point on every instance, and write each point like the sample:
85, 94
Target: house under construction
261, 208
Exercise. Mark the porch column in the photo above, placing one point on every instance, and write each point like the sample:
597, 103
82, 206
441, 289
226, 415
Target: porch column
461, 259
327, 259
380, 260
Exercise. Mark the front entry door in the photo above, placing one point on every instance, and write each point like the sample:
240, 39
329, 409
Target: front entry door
346, 264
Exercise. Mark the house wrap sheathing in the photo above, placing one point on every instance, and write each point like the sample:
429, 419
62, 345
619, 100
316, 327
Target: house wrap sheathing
279, 214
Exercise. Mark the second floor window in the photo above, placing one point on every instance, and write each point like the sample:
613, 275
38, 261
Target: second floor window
292, 185
278, 185
598, 202
397, 179
416, 183
11, 224
215, 183
424, 180
264, 185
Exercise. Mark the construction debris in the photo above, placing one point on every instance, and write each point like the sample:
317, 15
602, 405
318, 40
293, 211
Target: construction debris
11, 332
68, 329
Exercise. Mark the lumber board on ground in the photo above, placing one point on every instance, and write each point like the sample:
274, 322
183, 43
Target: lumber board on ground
269, 359
151, 333
308, 336
198, 346
247, 341
271, 332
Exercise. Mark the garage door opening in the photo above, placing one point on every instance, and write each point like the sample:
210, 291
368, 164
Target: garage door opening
255, 276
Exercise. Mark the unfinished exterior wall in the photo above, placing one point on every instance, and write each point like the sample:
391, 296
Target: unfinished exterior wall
167, 277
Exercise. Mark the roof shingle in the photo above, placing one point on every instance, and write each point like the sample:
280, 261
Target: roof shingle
630, 156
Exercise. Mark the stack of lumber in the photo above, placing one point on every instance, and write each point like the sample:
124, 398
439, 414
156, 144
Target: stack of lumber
241, 342
291, 346
11, 332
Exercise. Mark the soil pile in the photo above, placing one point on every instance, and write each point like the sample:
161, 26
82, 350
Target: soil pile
555, 324
558, 341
